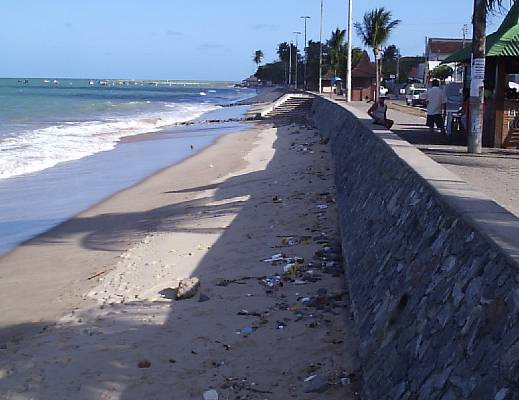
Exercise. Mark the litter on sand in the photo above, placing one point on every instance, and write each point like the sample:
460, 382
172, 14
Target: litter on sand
211, 395
275, 258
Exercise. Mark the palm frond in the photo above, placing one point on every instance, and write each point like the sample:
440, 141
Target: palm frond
495, 5
376, 27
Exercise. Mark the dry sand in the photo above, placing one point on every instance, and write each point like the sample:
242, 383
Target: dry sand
214, 216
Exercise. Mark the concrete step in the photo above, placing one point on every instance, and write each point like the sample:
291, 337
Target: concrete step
293, 107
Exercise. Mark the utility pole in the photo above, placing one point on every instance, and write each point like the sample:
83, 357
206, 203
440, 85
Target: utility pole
290, 64
297, 37
398, 55
348, 69
479, 22
321, 52
306, 53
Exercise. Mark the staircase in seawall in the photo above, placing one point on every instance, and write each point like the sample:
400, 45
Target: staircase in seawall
294, 109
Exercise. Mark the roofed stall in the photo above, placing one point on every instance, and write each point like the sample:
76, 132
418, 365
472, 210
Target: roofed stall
501, 108
363, 79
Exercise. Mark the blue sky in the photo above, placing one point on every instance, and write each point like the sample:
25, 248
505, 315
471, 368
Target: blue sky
189, 39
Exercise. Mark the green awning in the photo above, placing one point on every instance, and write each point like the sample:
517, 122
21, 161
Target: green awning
502, 43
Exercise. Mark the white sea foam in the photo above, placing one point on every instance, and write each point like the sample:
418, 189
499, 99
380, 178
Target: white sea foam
39, 149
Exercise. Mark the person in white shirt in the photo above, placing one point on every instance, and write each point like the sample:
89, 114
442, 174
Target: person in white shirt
378, 111
436, 107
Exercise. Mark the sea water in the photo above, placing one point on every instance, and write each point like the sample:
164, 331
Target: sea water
61, 149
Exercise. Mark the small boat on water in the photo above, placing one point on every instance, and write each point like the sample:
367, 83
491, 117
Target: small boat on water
56, 82
203, 94
91, 83
46, 81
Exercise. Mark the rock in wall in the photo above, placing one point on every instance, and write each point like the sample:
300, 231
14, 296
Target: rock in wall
436, 302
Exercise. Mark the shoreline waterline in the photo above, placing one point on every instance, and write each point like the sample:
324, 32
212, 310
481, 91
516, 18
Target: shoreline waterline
34, 204
57, 265
54, 199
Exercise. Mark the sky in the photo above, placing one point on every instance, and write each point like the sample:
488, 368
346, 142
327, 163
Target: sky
191, 39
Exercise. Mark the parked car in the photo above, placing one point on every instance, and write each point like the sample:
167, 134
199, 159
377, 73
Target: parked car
416, 97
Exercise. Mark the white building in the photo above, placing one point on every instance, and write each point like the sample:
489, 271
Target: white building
437, 50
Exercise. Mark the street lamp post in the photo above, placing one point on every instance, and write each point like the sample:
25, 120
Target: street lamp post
305, 59
350, 26
290, 64
297, 37
321, 52
398, 55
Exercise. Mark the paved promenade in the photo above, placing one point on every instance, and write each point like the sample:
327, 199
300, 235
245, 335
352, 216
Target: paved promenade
495, 172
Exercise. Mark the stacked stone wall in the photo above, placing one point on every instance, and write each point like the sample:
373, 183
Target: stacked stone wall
435, 299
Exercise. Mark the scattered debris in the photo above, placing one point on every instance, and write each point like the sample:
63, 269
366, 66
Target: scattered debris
316, 384
211, 395
280, 325
97, 274
245, 331
272, 281
169, 293
144, 364
248, 313
275, 258
187, 288
225, 346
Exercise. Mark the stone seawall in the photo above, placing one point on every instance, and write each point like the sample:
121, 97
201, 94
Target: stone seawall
432, 269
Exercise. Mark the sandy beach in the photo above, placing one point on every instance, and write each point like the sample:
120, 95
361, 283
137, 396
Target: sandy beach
88, 310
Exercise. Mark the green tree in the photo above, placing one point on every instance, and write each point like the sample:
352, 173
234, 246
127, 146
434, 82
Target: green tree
336, 44
407, 64
258, 57
312, 63
283, 51
356, 55
442, 72
274, 72
390, 60
390, 52
284, 56
374, 31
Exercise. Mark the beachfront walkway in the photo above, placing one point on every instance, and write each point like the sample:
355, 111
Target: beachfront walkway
495, 172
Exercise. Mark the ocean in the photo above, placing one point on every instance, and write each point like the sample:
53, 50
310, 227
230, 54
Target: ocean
61, 149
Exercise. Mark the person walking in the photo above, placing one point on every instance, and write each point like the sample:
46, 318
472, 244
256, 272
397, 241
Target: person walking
436, 107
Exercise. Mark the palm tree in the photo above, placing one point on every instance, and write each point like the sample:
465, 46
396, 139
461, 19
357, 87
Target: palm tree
336, 43
284, 56
258, 57
374, 31
479, 22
